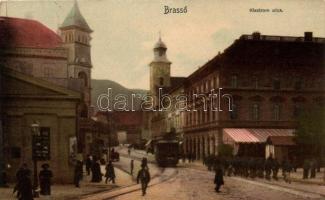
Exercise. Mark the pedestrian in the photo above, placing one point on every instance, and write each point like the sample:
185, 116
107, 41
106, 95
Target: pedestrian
96, 172
88, 164
144, 161
144, 177
23, 186
218, 179
313, 168
110, 173
129, 151
287, 168
189, 157
20, 174
275, 169
131, 167
268, 167
78, 173
306, 168
45, 176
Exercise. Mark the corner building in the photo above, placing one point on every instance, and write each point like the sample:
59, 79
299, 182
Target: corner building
271, 80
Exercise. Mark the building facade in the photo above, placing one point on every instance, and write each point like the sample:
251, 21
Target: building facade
49, 76
257, 86
271, 79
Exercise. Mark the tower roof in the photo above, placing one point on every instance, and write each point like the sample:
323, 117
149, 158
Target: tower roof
75, 19
160, 44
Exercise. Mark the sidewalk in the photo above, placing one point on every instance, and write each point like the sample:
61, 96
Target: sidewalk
69, 191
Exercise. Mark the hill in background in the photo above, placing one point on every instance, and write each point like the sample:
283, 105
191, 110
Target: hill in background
101, 86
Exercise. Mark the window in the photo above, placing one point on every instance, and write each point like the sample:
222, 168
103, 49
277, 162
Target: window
234, 81
234, 112
255, 82
276, 84
276, 112
161, 81
255, 112
83, 76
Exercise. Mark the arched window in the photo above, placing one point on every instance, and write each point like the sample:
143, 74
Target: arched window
84, 77
161, 81
255, 112
276, 112
234, 81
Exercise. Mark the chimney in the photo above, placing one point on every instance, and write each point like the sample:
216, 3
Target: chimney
308, 36
256, 35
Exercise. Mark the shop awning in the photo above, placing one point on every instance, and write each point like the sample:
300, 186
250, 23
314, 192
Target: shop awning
281, 140
243, 135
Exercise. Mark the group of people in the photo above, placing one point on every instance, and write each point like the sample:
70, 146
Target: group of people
24, 187
93, 168
259, 167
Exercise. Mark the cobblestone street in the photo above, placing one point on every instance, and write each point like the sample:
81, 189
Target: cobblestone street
190, 184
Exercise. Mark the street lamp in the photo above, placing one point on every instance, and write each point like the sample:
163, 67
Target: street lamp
35, 128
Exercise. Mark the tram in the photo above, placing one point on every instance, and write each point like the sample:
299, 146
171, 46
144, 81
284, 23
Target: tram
167, 152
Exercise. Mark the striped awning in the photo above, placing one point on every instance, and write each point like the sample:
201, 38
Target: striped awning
243, 135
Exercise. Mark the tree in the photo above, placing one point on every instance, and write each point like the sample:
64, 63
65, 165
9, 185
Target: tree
311, 130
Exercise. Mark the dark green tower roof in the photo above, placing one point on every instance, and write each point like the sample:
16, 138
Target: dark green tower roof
75, 19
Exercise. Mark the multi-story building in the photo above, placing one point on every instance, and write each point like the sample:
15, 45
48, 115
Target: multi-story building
270, 78
262, 82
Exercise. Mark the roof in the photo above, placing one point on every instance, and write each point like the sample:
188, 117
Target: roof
60, 92
281, 140
160, 44
175, 82
127, 118
269, 49
75, 19
17, 32
242, 135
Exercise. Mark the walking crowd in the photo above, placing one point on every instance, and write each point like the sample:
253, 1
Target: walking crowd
261, 168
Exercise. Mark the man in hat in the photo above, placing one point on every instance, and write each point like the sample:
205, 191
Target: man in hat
78, 173
45, 176
218, 179
144, 177
110, 173
24, 187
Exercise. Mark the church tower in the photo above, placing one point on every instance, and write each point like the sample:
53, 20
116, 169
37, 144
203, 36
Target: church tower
159, 69
75, 34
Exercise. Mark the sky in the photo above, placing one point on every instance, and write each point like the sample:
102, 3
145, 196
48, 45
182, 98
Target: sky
125, 31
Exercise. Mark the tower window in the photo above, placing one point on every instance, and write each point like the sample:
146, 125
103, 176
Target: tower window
84, 77
161, 81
